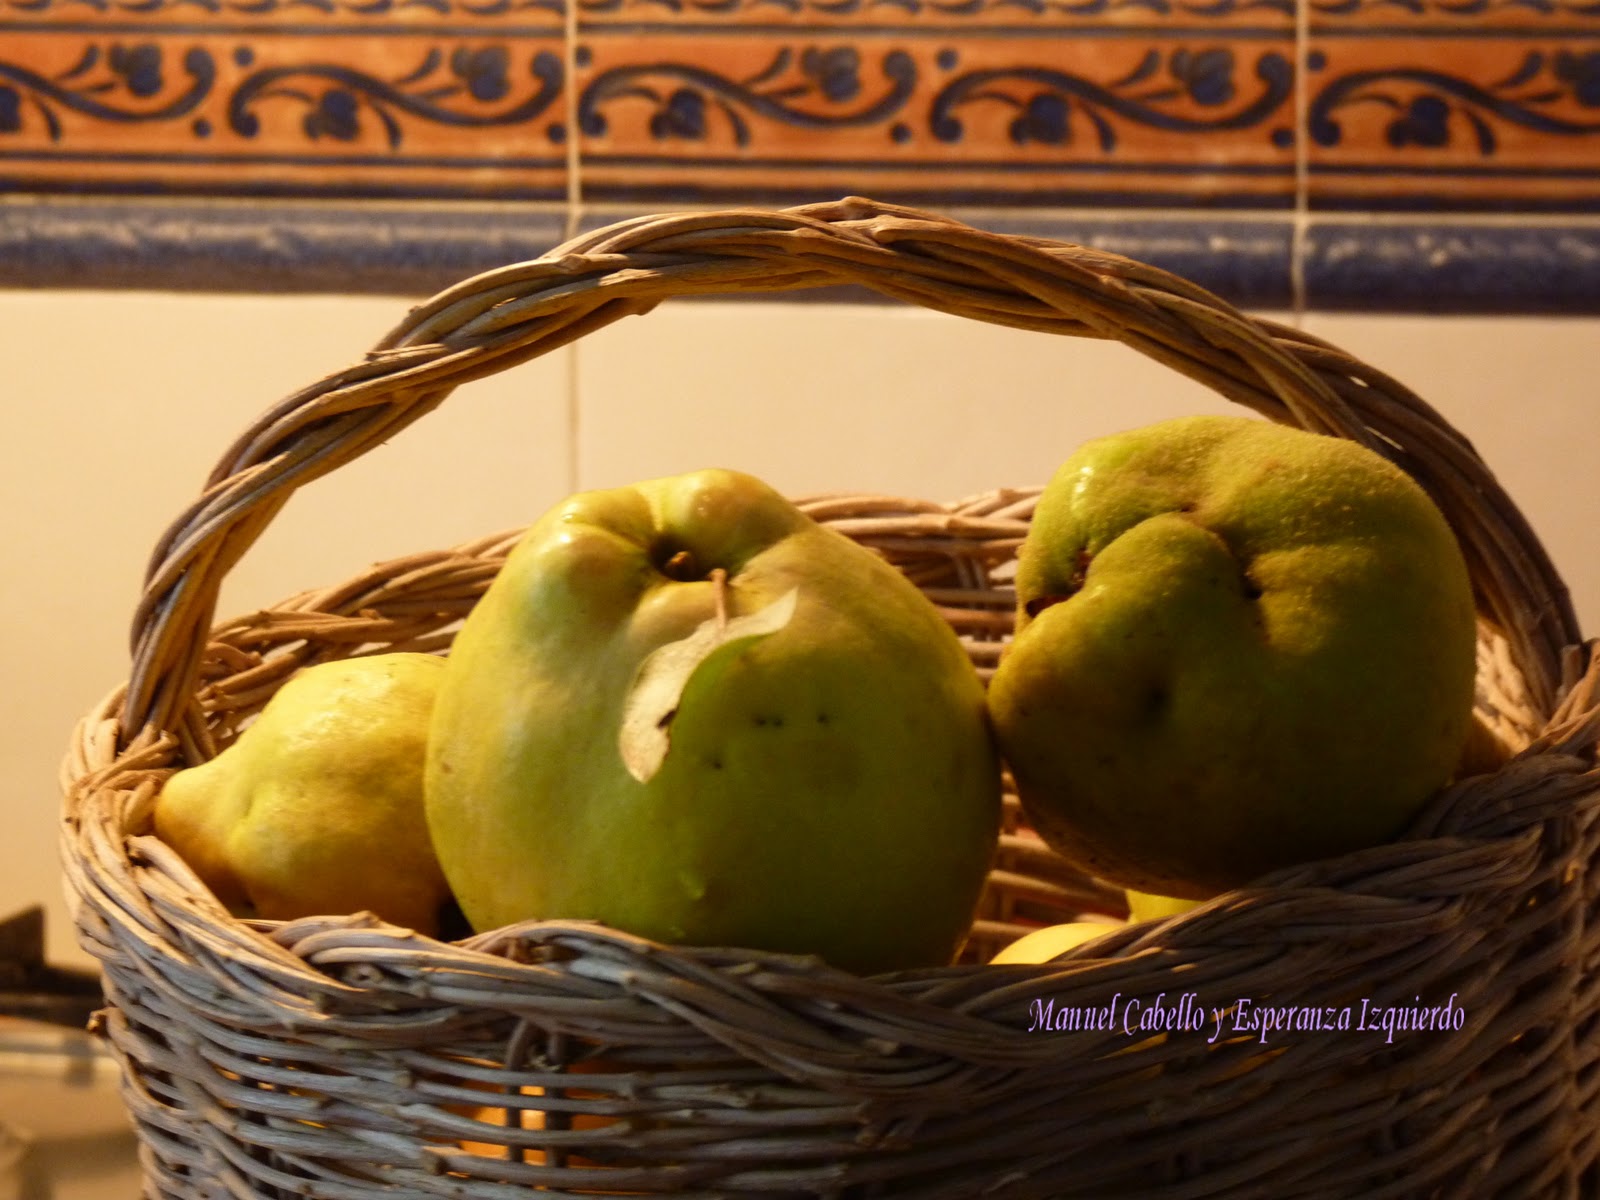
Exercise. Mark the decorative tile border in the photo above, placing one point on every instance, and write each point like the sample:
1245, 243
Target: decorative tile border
1241, 136
1000, 120
264, 113
315, 18
1481, 18
1493, 104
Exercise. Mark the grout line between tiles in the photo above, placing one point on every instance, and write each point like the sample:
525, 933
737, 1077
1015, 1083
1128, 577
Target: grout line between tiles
574, 138
1299, 228
569, 356
574, 221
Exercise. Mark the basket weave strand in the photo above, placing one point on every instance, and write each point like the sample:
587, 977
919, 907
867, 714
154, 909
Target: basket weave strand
345, 1059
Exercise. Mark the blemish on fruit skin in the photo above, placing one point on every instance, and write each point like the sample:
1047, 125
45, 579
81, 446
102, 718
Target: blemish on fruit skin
1074, 585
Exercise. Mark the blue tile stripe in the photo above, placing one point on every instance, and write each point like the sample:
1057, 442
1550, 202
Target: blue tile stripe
288, 246
1456, 267
1462, 266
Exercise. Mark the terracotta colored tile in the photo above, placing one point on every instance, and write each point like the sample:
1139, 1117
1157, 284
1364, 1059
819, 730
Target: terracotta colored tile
307, 18
955, 18
1462, 17
1447, 122
165, 111
1132, 120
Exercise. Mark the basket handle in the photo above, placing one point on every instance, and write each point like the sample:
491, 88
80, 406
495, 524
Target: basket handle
508, 315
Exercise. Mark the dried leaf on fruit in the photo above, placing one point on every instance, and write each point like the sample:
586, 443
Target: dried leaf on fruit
652, 700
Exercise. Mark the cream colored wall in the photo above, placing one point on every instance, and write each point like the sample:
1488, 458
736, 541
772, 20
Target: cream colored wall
119, 402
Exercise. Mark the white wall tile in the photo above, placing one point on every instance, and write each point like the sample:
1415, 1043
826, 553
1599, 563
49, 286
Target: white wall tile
1524, 391
118, 404
823, 397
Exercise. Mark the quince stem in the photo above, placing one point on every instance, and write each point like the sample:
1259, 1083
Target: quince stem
719, 593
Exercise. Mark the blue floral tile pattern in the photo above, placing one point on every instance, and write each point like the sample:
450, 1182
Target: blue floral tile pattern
1439, 105
252, 97
996, 117
1122, 103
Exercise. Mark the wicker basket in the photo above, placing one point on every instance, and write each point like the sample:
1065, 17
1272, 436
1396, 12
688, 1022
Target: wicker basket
342, 1059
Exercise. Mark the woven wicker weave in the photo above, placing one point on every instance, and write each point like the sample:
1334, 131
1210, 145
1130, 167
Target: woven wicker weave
344, 1059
